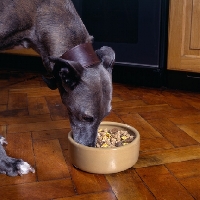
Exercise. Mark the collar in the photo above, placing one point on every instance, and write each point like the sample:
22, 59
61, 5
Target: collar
82, 53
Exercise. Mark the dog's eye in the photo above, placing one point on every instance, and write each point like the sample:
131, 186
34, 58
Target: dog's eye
88, 118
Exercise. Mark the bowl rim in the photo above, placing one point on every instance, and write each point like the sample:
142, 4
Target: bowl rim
81, 146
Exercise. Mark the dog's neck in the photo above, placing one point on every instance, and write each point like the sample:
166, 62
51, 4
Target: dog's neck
83, 53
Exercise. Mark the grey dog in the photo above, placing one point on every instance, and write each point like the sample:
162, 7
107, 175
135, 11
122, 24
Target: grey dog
54, 30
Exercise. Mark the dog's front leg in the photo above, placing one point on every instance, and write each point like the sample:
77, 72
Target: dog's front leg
12, 166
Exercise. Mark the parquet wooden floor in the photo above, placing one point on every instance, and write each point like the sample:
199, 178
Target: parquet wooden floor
35, 124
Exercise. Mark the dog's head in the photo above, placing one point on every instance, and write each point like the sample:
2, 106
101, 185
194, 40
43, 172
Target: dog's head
86, 92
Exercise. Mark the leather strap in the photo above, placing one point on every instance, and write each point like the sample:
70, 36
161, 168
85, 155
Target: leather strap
83, 53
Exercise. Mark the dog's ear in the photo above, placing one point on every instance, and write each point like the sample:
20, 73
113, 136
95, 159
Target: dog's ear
107, 56
51, 82
69, 71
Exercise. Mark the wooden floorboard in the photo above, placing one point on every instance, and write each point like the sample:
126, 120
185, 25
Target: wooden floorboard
35, 124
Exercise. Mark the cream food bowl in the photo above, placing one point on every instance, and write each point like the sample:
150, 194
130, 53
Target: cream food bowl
105, 160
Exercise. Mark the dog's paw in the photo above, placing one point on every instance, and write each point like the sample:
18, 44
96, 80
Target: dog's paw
24, 168
3, 141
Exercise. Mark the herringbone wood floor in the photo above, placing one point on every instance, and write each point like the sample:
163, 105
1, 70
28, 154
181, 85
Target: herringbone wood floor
35, 123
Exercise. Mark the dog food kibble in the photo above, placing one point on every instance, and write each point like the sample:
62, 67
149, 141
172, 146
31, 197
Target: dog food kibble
113, 138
